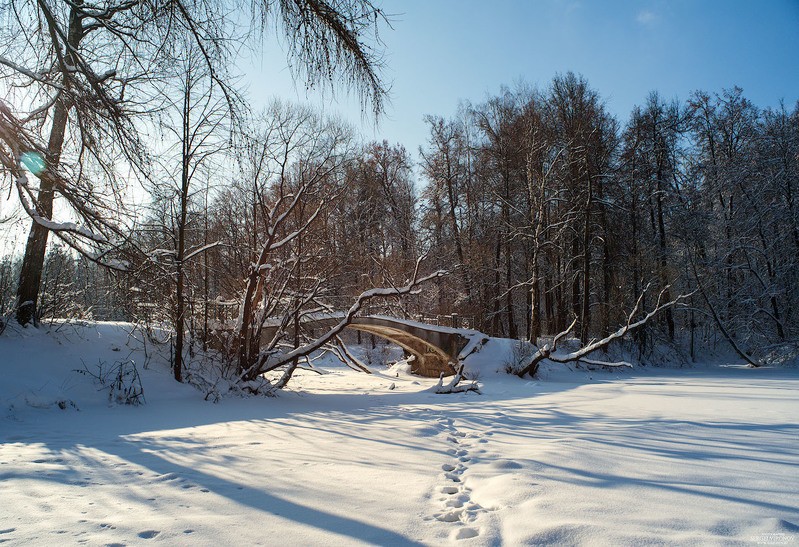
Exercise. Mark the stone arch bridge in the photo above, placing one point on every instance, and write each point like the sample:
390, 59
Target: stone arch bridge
436, 349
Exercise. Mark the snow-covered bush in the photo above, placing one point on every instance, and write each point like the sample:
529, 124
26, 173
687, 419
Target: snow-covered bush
121, 379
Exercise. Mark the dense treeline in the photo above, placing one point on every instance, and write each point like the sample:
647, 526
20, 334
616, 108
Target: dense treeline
547, 213
540, 203
553, 210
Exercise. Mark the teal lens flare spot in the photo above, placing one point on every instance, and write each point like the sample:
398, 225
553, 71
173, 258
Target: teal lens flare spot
33, 162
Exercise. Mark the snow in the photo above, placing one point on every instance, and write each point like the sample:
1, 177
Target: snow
705, 455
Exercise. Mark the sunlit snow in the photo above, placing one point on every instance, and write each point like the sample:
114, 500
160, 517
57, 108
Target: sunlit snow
706, 455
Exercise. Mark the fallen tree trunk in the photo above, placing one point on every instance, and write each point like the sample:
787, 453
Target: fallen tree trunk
546, 352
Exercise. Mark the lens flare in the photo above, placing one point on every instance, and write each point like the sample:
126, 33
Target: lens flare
33, 162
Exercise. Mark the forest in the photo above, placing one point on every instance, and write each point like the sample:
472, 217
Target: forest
529, 213
535, 316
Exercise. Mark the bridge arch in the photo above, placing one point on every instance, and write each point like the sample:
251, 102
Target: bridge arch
436, 349
432, 356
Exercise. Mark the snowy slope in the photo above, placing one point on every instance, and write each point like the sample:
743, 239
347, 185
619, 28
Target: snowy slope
701, 456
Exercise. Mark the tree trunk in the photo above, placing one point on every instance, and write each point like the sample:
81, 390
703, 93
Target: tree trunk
585, 316
30, 275
496, 324
456, 234
206, 278
662, 245
560, 295
535, 305
575, 273
512, 331
185, 180
177, 365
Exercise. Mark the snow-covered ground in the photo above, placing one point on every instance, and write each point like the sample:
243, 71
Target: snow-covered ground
649, 456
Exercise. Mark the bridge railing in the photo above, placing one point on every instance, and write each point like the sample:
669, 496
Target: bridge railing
454, 320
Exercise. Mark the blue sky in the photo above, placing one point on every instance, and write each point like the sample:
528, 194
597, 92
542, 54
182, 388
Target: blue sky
443, 51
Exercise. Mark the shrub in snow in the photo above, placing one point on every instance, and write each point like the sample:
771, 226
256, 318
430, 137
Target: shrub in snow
213, 376
121, 379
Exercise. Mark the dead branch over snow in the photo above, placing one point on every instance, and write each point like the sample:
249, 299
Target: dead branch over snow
547, 351
454, 385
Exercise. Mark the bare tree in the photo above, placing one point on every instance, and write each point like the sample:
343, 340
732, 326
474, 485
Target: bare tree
652, 154
295, 165
81, 76
446, 171
205, 113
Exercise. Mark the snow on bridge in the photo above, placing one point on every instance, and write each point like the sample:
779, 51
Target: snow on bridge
436, 349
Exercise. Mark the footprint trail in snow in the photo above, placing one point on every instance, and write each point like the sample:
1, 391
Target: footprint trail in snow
454, 497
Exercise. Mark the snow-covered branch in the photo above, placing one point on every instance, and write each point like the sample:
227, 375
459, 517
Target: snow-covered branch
201, 250
547, 352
